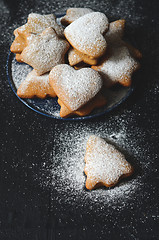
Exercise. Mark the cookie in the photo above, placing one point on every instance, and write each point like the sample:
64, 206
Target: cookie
114, 37
35, 86
98, 101
117, 66
45, 51
86, 34
36, 24
75, 87
21, 41
75, 57
73, 14
18, 57
105, 165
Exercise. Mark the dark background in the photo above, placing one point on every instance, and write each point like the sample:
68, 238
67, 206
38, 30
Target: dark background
29, 210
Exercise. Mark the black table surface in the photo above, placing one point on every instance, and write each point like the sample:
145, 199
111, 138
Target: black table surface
38, 198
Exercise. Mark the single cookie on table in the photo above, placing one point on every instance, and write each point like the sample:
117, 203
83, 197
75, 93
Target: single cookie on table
86, 34
75, 57
98, 101
74, 88
36, 86
36, 24
45, 51
73, 14
105, 165
117, 66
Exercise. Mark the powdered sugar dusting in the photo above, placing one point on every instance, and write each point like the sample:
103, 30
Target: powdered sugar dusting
67, 170
19, 72
85, 34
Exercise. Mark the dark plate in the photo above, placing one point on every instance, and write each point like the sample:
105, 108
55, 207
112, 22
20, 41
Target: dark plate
16, 73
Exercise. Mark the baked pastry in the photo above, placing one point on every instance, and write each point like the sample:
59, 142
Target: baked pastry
45, 51
36, 86
105, 165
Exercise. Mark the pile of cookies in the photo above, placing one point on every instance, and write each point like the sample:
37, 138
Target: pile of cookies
75, 63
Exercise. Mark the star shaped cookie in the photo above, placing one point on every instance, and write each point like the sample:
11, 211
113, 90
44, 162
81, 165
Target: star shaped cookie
117, 66
115, 34
45, 51
36, 24
105, 165
36, 86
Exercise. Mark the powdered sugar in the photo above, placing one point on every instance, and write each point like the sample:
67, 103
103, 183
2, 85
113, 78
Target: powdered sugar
85, 34
67, 170
75, 87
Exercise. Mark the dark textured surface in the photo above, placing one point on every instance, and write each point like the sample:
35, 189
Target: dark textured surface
30, 208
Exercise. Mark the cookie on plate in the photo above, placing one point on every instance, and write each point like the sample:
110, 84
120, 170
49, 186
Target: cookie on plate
86, 34
75, 88
117, 66
105, 165
75, 57
73, 14
45, 51
36, 86
36, 24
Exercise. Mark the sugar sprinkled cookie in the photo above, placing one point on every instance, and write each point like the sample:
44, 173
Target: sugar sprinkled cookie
73, 14
105, 165
75, 87
36, 24
117, 67
114, 37
21, 41
86, 34
36, 86
45, 51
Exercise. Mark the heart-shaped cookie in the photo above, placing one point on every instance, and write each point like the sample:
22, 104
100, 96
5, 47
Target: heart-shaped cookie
86, 34
75, 87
